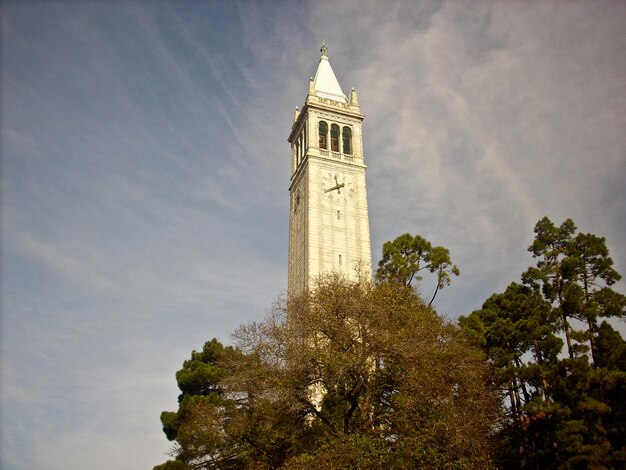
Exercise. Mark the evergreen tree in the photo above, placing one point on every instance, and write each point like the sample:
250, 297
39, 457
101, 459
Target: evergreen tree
517, 329
407, 256
574, 272
562, 412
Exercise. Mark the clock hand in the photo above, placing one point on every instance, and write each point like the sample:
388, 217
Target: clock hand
337, 187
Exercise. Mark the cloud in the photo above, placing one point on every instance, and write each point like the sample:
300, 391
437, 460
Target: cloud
145, 172
490, 125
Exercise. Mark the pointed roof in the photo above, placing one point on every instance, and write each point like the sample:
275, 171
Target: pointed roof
325, 84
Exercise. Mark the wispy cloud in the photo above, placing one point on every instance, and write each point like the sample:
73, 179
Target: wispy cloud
145, 172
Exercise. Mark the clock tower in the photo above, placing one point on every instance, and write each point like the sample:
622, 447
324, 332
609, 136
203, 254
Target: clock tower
328, 219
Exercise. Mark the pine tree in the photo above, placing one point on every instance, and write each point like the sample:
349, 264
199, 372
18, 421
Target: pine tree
562, 412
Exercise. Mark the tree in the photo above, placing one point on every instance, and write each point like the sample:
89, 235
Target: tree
575, 272
593, 271
517, 330
350, 376
407, 255
202, 402
551, 246
561, 412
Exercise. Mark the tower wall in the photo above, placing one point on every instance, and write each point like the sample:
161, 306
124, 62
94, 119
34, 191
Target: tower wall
328, 223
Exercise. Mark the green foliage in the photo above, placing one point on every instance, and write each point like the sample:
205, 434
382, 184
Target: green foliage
172, 465
574, 272
561, 412
171, 424
201, 402
611, 348
200, 375
405, 257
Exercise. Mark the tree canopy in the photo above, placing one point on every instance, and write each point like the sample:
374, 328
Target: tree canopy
407, 256
575, 273
562, 411
367, 375
350, 376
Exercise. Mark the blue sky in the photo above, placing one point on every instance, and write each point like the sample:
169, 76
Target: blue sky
145, 171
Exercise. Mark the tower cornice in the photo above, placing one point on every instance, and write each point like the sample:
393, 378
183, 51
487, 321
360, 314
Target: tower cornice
323, 104
337, 106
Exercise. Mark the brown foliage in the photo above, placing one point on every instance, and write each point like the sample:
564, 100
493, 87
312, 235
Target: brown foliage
375, 362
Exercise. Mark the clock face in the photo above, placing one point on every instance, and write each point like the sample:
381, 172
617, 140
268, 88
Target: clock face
337, 184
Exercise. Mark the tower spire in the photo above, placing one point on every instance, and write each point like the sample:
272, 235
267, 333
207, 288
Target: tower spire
325, 84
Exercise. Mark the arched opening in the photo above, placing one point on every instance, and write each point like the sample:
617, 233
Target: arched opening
323, 130
334, 138
347, 140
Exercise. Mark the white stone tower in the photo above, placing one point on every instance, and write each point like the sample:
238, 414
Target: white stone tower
328, 221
